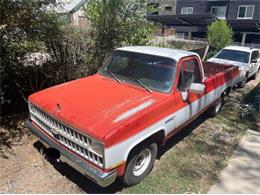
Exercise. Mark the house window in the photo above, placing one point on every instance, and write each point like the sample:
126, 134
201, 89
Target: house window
180, 35
168, 8
246, 11
219, 11
154, 7
187, 10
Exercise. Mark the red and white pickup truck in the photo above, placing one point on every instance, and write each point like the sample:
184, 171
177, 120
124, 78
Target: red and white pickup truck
110, 124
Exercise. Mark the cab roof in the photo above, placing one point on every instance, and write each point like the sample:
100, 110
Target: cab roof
175, 54
240, 48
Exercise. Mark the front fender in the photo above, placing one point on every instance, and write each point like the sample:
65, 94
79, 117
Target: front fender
119, 152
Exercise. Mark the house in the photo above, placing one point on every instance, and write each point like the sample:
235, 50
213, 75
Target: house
166, 7
73, 11
193, 16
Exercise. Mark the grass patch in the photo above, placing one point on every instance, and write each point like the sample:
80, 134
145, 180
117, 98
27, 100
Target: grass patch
194, 157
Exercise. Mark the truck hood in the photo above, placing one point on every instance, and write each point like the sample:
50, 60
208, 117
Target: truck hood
222, 61
94, 104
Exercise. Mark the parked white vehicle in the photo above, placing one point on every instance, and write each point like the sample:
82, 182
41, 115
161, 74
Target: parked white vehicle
246, 58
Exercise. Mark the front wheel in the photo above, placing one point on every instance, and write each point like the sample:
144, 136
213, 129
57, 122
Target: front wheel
140, 163
243, 83
256, 74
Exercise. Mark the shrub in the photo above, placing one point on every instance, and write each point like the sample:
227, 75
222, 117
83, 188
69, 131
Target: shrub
219, 35
26, 27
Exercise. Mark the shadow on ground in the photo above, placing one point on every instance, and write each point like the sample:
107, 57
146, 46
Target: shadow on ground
73, 175
186, 131
252, 99
12, 130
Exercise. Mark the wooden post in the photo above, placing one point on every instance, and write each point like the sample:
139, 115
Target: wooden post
205, 53
189, 35
163, 30
243, 39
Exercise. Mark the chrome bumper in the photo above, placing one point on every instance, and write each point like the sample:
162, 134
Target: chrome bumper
103, 179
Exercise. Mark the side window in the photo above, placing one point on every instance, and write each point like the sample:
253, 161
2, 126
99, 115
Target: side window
189, 74
255, 55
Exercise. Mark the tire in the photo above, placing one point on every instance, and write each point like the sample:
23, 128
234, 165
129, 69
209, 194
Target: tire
214, 110
140, 163
243, 83
258, 72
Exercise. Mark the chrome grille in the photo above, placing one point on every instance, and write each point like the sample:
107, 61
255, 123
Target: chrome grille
77, 142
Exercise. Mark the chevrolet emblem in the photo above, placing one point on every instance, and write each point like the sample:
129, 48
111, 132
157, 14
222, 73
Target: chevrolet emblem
54, 131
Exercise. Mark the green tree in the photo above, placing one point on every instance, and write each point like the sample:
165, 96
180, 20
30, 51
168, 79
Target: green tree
219, 34
116, 23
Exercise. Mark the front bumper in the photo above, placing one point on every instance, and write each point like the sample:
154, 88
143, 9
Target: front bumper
103, 179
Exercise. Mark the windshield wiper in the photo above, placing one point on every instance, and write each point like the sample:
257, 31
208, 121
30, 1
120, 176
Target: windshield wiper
143, 85
114, 76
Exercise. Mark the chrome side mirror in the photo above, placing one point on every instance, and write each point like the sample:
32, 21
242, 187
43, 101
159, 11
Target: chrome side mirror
197, 88
184, 95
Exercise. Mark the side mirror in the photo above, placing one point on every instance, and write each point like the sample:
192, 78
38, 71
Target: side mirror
254, 61
197, 88
184, 96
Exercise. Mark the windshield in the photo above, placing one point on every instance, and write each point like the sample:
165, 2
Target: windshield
233, 55
153, 72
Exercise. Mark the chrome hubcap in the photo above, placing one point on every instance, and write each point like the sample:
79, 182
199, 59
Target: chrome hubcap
142, 162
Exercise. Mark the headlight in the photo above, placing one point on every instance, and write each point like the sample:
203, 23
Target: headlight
97, 147
31, 107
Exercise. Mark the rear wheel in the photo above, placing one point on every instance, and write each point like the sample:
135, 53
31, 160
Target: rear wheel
140, 163
214, 110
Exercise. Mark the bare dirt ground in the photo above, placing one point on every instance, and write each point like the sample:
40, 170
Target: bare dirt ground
24, 170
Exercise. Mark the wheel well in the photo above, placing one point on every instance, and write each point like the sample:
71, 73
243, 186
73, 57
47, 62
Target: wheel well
223, 94
226, 92
157, 137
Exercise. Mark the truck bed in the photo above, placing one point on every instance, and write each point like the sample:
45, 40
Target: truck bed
211, 68
218, 74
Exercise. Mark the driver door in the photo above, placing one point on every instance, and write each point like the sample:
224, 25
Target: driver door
254, 62
190, 73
